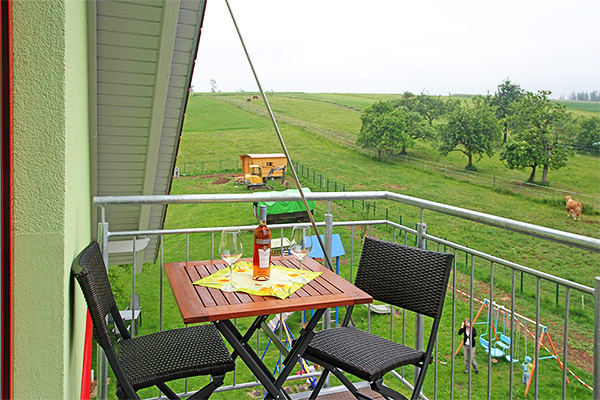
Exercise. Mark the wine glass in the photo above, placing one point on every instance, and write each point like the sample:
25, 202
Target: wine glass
231, 250
300, 247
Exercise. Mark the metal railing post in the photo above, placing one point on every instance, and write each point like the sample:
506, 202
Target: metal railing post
597, 340
103, 241
328, 251
419, 319
102, 361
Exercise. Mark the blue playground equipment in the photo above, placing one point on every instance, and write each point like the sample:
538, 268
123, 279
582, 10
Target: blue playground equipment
337, 250
304, 366
492, 316
503, 342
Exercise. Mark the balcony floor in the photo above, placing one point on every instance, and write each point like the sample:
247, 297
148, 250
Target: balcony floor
346, 395
340, 393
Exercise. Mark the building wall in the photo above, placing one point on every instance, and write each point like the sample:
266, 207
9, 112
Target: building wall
52, 194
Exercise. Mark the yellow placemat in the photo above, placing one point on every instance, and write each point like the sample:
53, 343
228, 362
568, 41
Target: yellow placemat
280, 285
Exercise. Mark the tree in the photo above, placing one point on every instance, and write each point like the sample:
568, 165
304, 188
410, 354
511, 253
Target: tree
588, 136
541, 135
507, 94
518, 155
472, 130
383, 129
429, 107
417, 127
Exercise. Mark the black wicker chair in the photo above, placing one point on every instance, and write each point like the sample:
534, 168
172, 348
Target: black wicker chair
406, 277
153, 359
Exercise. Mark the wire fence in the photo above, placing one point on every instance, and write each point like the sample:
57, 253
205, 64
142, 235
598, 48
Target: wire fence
501, 183
208, 167
326, 183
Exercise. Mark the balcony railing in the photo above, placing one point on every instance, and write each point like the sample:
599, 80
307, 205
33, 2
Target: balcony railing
477, 264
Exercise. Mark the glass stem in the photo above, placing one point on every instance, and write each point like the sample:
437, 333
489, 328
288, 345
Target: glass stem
300, 264
230, 275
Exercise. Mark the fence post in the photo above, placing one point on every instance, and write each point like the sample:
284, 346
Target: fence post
597, 340
521, 281
419, 320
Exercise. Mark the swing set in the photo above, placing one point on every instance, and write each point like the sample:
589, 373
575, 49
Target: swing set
499, 344
279, 322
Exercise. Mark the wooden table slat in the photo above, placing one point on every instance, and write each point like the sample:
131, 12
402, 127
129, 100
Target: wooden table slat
324, 286
200, 304
203, 292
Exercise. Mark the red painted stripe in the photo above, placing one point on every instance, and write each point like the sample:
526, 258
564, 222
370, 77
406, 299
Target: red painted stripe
87, 359
7, 200
11, 202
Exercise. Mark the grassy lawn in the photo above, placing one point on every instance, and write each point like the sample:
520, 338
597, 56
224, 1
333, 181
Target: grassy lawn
216, 132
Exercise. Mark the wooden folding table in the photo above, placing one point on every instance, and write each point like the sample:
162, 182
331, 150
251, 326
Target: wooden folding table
202, 304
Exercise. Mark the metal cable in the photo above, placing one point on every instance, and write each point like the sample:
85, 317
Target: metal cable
283, 146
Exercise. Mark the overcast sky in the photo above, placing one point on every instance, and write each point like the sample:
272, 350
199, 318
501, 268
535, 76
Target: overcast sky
392, 46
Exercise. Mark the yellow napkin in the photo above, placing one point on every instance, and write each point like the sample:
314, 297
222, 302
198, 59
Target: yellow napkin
280, 285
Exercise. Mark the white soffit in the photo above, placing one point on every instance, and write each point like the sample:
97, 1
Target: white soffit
145, 52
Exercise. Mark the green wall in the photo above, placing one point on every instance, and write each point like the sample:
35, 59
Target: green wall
52, 194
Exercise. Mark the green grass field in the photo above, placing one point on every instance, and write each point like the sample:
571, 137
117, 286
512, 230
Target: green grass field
317, 128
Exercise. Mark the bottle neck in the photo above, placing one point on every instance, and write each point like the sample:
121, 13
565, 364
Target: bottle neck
262, 223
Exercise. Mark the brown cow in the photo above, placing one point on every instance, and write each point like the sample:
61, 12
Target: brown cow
249, 99
255, 97
573, 207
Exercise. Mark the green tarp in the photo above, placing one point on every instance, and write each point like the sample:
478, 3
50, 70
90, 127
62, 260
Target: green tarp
285, 207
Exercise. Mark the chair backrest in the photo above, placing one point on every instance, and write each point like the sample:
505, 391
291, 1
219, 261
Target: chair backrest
406, 277
90, 272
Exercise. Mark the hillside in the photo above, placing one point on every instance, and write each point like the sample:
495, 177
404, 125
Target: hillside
337, 118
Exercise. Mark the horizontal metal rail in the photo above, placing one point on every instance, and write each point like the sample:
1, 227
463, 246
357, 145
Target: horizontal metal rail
514, 266
518, 267
566, 238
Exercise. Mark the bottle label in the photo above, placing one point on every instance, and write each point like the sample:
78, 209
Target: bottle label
263, 257
262, 241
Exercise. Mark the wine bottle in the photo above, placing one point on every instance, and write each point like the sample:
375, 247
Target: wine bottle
261, 261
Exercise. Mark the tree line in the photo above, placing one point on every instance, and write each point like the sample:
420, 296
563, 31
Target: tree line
583, 96
531, 130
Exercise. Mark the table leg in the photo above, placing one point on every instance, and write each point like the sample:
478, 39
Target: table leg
251, 359
300, 345
250, 332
